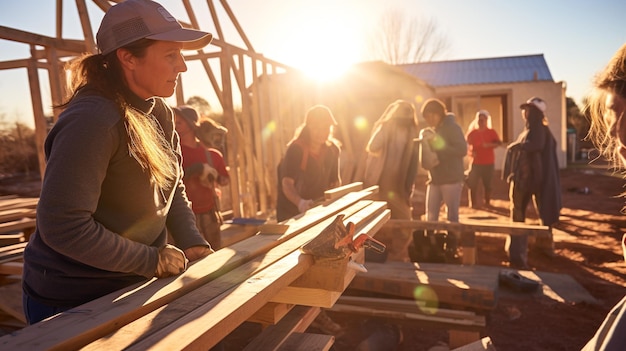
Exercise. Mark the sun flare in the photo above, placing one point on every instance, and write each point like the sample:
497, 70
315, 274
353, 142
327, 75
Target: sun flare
324, 47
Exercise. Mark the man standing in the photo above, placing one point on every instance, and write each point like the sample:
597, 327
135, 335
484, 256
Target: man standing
532, 170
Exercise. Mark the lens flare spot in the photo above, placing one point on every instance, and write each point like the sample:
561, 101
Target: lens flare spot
361, 123
269, 129
391, 195
419, 99
429, 302
438, 143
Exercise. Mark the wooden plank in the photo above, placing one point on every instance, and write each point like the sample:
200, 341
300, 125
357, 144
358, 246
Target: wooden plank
205, 326
271, 313
11, 301
473, 325
436, 284
151, 328
11, 268
12, 214
404, 305
511, 228
308, 342
338, 192
12, 252
25, 224
233, 233
272, 337
11, 239
18, 202
104, 315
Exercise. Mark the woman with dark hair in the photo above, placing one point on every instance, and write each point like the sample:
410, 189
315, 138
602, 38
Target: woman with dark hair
113, 187
310, 165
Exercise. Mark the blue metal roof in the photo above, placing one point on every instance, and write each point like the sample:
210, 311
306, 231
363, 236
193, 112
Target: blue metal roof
513, 69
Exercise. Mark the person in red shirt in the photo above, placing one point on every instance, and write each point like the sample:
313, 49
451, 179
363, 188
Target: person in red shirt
204, 169
481, 139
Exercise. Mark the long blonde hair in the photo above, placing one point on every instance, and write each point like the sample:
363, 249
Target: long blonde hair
146, 140
611, 80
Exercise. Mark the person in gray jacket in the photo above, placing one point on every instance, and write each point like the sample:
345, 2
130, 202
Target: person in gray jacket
445, 179
112, 188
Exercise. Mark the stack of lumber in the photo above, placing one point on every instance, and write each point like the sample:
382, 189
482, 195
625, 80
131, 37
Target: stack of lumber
17, 218
259, 278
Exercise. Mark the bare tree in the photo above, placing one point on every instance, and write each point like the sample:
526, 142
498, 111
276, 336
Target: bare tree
399, 39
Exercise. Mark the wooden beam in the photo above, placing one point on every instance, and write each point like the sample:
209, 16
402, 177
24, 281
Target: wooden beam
272, 337
11, 268
307, 342
11, 301
435, 284
342, 190
511, 228
41, 127
204, 326
476, 323
77, 46
85, 23
233, 19
271, 313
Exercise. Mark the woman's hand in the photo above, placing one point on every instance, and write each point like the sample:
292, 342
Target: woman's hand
197, 252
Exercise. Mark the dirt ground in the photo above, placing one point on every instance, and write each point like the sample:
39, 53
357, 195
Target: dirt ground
587, 249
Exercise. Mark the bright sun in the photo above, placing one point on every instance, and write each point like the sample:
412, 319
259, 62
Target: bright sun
323, 48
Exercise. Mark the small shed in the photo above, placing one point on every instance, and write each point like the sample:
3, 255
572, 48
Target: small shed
499, 85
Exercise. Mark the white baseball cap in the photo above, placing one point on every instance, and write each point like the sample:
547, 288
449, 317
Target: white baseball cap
131, 20
537, 102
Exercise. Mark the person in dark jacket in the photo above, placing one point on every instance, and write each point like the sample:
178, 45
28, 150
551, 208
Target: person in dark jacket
112, 188
532, 170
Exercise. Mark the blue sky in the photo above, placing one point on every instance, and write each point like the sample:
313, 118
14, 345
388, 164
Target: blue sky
576, 37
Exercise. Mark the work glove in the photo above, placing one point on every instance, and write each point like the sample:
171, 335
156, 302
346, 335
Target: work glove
172, 261
427, 134
208, 176
304, 205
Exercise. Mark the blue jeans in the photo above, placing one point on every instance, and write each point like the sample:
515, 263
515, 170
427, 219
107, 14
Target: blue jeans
36, 311
449, 194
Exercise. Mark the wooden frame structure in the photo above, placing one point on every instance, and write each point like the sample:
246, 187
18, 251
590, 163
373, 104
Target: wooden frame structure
233, 72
